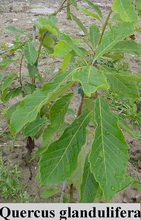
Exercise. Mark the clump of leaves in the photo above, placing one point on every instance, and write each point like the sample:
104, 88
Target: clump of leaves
10, 184
91, 63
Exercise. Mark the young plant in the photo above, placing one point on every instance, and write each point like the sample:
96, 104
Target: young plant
93, 63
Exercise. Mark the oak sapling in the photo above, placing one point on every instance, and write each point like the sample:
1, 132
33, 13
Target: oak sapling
100, 68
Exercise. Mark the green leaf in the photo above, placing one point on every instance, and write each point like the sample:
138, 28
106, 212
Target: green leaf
90, 190
1, 77
94, 35
16, 31
30, 53
5, 63
125, 10
123, 85
130, 46
34, 72
8, 81
88, 105
109, 155
31, 105
62, 49
90, 13
60, 160
66, 62
95, 7
112, 37
28, 88
11, 94
138, 4
79, 23
90, 78
72, 44
10, 111
77, 175
56, 116
129, 129
34, 127
47, 25
49, 193
49, 41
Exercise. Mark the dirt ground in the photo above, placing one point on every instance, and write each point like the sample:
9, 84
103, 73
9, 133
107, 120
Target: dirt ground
22, 14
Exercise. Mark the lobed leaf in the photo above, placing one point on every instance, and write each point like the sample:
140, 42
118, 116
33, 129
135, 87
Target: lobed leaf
90, 78
109, 155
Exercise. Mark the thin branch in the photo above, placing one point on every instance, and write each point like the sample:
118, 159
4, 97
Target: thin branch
61, 7
40, 47
71, 194
20, 71
105, 25
103, 30
39, 52
81, 106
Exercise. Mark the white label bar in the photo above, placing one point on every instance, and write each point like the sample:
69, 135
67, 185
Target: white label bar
47, 211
